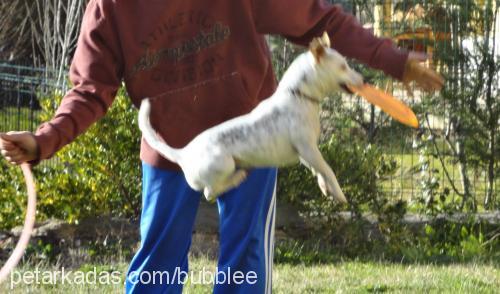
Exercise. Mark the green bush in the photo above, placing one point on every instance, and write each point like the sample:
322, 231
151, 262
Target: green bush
358, 168
446, 241
12, 196
98, 174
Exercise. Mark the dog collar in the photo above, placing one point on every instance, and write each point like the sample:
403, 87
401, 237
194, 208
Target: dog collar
298, 93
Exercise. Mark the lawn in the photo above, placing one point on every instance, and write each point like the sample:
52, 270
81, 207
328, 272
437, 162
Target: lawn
406, 182
343, 277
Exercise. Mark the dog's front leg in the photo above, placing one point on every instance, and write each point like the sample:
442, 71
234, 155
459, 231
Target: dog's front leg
311, 157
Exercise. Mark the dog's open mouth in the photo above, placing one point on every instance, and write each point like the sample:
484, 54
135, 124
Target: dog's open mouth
346, 89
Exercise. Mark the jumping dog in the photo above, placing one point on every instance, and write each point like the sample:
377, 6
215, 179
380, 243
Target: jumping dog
280, 131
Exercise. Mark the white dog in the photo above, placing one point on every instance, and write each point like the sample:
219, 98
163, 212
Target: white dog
279, 131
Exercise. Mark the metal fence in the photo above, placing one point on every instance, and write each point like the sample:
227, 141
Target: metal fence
444, 156
20, 88
455, 153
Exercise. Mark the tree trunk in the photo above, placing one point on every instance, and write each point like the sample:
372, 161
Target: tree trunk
492, 124
464, 177
489, 200
372, 127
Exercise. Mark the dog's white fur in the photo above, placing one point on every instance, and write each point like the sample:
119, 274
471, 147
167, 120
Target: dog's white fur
279, 131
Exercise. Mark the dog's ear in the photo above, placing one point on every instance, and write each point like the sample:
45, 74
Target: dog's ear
325, 40
319, 45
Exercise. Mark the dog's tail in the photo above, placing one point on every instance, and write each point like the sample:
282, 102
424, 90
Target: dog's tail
150, 135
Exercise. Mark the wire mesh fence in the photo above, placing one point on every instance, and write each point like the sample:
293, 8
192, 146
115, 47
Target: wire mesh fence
454, 155
455, 152
20, 87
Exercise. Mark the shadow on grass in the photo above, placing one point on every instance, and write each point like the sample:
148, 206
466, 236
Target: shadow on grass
312, 253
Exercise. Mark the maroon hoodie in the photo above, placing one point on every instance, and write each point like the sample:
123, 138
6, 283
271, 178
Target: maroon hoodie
202, 61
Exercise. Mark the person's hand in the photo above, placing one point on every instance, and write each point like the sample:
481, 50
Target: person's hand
18, 147
424, 77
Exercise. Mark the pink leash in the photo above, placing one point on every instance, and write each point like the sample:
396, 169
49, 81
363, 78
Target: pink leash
29, 223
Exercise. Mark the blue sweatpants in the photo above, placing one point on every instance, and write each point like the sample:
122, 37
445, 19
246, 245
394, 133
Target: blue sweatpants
246, 228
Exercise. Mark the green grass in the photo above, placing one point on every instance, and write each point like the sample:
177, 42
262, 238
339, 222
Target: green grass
344, 277
405, 183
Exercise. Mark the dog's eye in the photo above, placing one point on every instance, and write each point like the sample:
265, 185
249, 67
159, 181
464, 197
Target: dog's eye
343, 67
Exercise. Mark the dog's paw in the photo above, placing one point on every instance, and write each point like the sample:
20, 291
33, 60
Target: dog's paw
329, 190
339, 196
322, 185
237, 178
209, 195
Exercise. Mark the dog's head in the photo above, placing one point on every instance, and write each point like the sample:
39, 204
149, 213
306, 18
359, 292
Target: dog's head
331, 69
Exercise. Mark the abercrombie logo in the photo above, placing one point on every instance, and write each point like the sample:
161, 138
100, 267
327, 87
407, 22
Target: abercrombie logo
203, 40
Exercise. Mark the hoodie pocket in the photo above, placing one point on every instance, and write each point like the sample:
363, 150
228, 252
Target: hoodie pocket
179, 115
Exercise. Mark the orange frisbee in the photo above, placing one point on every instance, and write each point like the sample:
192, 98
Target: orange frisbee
392, 106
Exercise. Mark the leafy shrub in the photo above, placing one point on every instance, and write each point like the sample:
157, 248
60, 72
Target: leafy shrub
99, 173
12, 195
447, 241
358, 168
439, 242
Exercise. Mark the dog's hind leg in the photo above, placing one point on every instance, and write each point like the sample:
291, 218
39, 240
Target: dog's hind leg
236, 179
210, 194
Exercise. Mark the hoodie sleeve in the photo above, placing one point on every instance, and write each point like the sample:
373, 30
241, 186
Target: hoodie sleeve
95, 74
301, 20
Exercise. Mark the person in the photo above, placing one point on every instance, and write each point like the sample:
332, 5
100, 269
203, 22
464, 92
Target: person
201, 62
